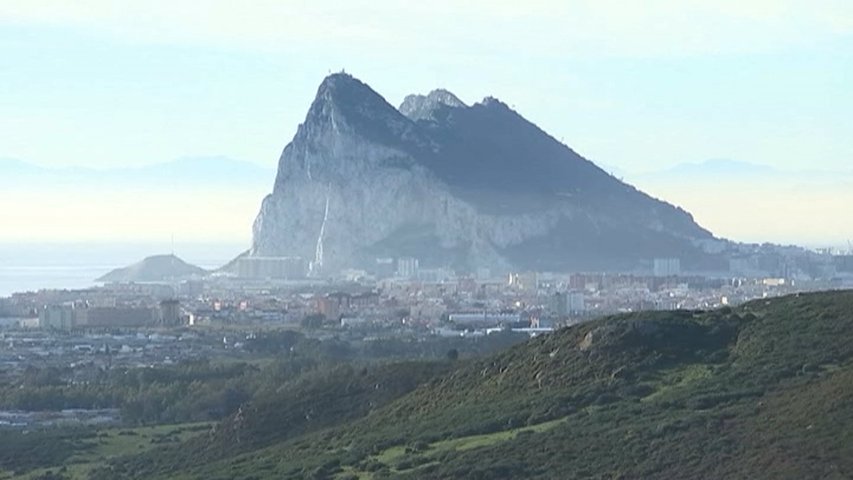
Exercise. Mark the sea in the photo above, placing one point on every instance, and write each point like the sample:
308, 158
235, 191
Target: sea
34, 266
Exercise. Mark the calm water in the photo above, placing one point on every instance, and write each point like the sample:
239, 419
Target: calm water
27, 278
36, 266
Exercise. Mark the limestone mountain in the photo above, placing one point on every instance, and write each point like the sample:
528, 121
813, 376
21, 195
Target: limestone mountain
458, 186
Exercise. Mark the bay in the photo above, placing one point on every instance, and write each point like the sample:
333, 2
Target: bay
35, 266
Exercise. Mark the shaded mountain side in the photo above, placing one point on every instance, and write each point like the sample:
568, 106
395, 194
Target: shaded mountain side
492, 148
760, 391
482, 179
566, 249
154, 269
319, 401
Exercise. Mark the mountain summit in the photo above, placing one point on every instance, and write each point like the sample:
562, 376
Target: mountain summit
421, 107
454, 185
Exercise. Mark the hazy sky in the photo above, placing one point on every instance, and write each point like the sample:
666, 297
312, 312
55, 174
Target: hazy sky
633, 85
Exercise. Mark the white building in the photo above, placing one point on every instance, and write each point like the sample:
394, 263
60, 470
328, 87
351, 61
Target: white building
568, 303
667, 267
528, 281
484, 318
271, 267
60, 317
407, 267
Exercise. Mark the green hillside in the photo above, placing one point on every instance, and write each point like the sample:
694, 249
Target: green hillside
761, 391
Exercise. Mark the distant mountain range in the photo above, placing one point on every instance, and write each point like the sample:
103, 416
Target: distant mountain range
220, 170
189, 172
456, 186
716, 167
732, 170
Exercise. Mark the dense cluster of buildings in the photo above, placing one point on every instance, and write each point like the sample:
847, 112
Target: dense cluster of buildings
399, 294
84, 354
71, 315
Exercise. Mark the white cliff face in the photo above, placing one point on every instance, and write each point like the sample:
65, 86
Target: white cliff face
359, 194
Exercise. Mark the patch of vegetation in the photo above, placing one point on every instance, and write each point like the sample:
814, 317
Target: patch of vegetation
73, 453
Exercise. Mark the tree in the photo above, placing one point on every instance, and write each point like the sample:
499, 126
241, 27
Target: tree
315, 320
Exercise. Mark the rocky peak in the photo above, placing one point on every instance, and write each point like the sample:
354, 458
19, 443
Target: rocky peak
343, 89
344, 103
445, 97
423, 107
493, 102
495, 105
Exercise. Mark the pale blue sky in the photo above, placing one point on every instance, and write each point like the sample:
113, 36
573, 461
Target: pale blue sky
636, 86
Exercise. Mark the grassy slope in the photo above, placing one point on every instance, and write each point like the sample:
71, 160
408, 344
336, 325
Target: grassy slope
95, 451
314, 402
762, 391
